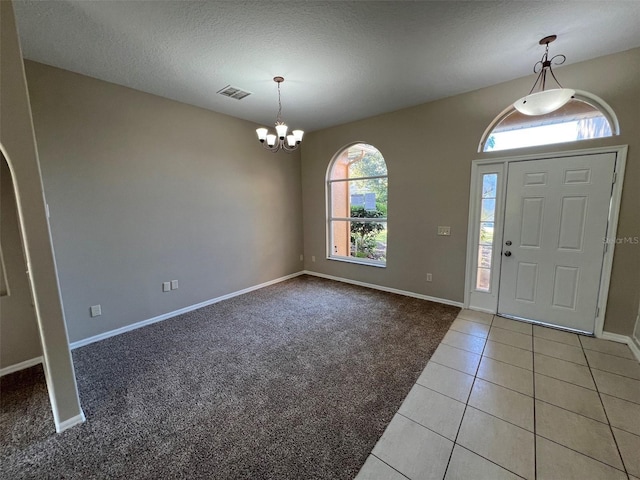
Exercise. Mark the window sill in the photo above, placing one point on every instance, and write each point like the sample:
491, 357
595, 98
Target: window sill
359, 261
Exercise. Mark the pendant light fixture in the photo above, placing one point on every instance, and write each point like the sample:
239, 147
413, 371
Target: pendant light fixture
279, 140
545, 101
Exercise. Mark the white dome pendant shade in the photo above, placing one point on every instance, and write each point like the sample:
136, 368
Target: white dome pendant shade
545, 101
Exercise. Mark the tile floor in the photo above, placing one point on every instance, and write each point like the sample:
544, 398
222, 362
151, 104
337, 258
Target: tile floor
501, 399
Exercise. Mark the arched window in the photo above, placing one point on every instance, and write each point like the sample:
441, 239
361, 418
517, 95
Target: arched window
357, 206
584, 117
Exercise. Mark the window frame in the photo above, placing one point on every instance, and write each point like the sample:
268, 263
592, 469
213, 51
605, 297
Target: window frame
330, 219
484, 300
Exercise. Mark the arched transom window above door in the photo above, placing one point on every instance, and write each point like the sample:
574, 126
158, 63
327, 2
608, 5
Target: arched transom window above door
584, 117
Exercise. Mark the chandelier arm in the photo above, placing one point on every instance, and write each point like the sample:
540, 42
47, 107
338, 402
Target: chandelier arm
288, 149
558, 62
535, 67
554, 77
536, 82
273, 149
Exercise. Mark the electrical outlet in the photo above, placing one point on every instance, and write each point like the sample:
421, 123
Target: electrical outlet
446, 231
95, 310
429, 277
174, 284
166, 286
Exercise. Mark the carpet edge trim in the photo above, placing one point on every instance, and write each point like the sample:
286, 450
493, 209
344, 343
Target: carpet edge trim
175, 313
16, 367
406, 293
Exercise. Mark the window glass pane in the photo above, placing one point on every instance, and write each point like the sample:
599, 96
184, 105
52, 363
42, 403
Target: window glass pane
486, 233
359, 198
366, 240
488, 210
489, 182
487, 224
483, 279
484, 256
340, 199
365, 161
340, 168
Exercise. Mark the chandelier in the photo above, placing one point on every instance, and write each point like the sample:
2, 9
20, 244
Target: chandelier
279, 140
545, 101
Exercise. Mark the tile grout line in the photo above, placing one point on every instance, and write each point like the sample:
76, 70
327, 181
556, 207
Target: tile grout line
470, 334
564, 360
566, 381
610, 354
436, 391
571, 411
615, 440
490, 461
581, 453
615, 373
390, 466
466, 405
452, 368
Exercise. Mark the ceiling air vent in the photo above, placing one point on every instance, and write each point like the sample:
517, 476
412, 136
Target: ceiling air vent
233, 92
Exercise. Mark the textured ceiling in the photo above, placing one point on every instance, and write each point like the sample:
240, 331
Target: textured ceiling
342, 60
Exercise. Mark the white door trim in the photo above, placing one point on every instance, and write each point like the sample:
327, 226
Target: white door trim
612, 224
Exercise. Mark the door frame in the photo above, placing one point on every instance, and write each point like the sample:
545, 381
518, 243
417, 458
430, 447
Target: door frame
490, 305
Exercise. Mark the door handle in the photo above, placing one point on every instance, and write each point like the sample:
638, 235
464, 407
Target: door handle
507, 253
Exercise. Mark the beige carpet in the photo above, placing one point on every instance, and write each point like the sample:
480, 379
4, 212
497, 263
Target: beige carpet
294, 381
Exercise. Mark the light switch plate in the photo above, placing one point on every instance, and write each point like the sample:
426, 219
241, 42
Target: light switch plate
166, 286
174, 284
96, 310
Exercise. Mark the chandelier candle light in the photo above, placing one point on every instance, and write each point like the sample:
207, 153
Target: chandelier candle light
545, 101
280, 140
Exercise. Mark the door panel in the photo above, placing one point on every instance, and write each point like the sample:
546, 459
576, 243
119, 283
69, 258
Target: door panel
526, 281
556, 217
531, 224
571, 232
565, 287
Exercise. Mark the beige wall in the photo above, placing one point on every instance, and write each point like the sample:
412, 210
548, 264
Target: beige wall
429, 150
142, 190
19, 338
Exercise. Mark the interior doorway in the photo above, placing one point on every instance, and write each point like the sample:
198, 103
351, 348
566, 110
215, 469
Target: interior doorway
539, 247
19, 335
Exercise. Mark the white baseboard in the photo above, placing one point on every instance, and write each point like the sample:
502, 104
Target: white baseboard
615, 337
385, 289
164, 316
62, 426
20, 366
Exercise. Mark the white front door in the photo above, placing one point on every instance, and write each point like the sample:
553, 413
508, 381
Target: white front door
555, 225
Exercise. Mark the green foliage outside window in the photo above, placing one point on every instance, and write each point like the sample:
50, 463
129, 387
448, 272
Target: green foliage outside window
363, 234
